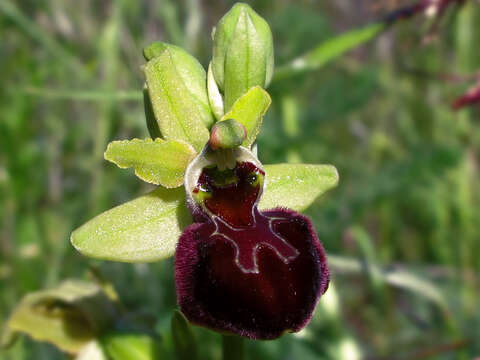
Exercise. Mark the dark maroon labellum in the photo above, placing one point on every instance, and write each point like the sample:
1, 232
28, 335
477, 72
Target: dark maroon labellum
256, 274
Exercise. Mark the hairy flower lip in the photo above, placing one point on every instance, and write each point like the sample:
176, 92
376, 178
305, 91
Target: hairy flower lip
186, 265
257, 279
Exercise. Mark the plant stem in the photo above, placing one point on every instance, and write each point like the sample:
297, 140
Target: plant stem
233, 347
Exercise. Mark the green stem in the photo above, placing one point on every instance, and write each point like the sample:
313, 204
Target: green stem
233, 347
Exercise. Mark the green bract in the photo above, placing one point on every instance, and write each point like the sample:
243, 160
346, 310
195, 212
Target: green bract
177, 89
160, 162
242, 52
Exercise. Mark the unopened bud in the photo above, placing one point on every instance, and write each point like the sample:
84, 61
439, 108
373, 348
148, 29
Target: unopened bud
242, 53
227, 134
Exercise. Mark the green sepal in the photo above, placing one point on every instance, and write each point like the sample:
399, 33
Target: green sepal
142, 230
249, 111
160, 162
242, 52
296, 186
69, 316
177, 89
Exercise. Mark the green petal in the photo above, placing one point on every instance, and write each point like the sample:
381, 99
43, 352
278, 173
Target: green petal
142, 230
215, 98
296, 186
249, 110
160, 162
177, 89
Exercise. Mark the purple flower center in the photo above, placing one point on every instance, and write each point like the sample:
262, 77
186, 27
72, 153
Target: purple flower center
231, 197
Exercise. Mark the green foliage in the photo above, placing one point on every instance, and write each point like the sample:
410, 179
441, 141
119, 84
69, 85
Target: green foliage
399, 278
69, 316
329, 50
132, 346
183, 338
160, 162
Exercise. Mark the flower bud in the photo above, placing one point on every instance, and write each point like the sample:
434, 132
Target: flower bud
242, 52
227, 134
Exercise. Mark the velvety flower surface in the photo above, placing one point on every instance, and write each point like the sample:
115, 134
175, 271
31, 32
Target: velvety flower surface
256, 274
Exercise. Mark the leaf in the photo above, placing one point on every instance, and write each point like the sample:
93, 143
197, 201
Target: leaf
183, 338
249, 110
296, 186
176, 84
82, 95
328, 51
160, 162
68, 316
399, 278
132, 346
143, 230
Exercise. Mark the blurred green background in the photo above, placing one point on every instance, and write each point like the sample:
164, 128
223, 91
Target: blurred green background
401, 228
